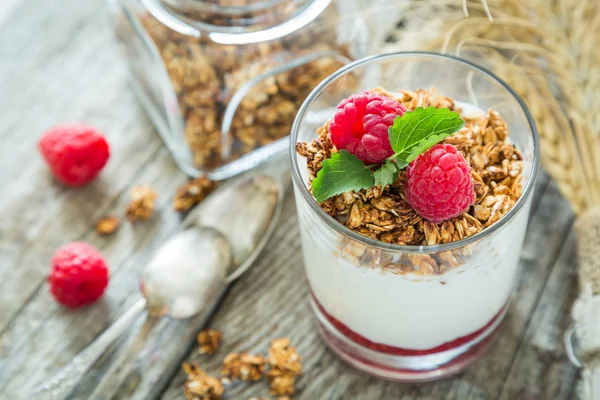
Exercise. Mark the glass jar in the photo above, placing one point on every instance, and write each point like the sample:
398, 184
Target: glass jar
222, 79
411, 313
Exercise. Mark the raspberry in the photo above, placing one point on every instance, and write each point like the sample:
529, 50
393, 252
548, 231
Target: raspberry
439, 185
360, 126
79, 275
74, 153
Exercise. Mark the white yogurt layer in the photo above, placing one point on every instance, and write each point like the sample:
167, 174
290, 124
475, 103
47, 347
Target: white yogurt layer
415, 312
407, 311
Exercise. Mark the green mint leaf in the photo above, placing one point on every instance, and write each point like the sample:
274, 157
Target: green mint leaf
416, 131
401, 164
341, 173
425, 145
387, 174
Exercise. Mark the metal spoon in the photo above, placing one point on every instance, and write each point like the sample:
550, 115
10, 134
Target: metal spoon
224, 234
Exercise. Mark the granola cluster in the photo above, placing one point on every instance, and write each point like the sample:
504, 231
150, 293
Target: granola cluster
205, 75
141, 206
200, 385
243, 366
283, 364
107, 225
209, 341
192, 193
286, 364
383, 214
142, 203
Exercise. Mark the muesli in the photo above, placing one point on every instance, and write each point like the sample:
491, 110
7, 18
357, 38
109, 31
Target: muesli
383, 213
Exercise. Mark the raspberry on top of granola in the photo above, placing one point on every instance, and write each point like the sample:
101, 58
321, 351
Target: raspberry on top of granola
452, 174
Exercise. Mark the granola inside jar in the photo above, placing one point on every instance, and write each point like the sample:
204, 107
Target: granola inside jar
222, 79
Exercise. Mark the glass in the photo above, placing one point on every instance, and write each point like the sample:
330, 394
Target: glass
411, 325
222, 79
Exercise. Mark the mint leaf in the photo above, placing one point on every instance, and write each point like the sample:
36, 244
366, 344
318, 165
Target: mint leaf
424, 145
387, 174
416, 131
341, 173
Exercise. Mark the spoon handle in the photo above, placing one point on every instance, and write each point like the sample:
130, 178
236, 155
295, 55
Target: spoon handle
64, 381
127, 359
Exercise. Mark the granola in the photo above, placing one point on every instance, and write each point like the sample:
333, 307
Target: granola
209, 341
383, 214
201, 386
243, 366
192, 193
142, 203
286, 364
205, 76
107, 225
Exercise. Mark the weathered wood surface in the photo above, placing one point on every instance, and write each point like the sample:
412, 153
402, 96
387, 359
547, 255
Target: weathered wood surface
59, 63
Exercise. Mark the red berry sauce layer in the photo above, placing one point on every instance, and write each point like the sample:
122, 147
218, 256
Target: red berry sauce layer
399, 351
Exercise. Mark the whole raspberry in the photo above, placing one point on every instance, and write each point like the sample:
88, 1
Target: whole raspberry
439, 185
360, 126
79, 275
74, 153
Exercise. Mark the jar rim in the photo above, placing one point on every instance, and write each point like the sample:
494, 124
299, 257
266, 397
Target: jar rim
342, 229
212, 6
237, 35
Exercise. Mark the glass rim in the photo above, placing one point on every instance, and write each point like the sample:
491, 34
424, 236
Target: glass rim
341, 228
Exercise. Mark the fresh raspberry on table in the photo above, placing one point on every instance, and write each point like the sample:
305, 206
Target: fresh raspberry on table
439, 185
360, 126
79, 275
74, 153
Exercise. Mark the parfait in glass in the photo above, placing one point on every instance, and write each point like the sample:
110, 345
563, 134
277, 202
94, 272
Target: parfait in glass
413, 175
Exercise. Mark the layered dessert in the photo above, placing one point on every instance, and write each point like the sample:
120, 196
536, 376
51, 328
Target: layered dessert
406, 269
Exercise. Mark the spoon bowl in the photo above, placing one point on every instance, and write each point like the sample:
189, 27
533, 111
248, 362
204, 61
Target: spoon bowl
186, 272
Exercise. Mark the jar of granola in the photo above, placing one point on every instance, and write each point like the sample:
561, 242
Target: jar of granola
397, 292
222, 79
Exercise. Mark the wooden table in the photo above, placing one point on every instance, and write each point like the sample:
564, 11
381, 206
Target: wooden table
59, 63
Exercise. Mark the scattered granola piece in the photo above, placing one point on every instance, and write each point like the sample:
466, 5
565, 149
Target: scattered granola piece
280, 382
209, 341
142, 203
286, 364
201, 386
108, 225
192, 193
284, 356
244, 366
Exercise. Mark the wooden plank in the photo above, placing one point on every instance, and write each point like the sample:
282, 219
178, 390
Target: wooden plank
541, 368
269, 302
